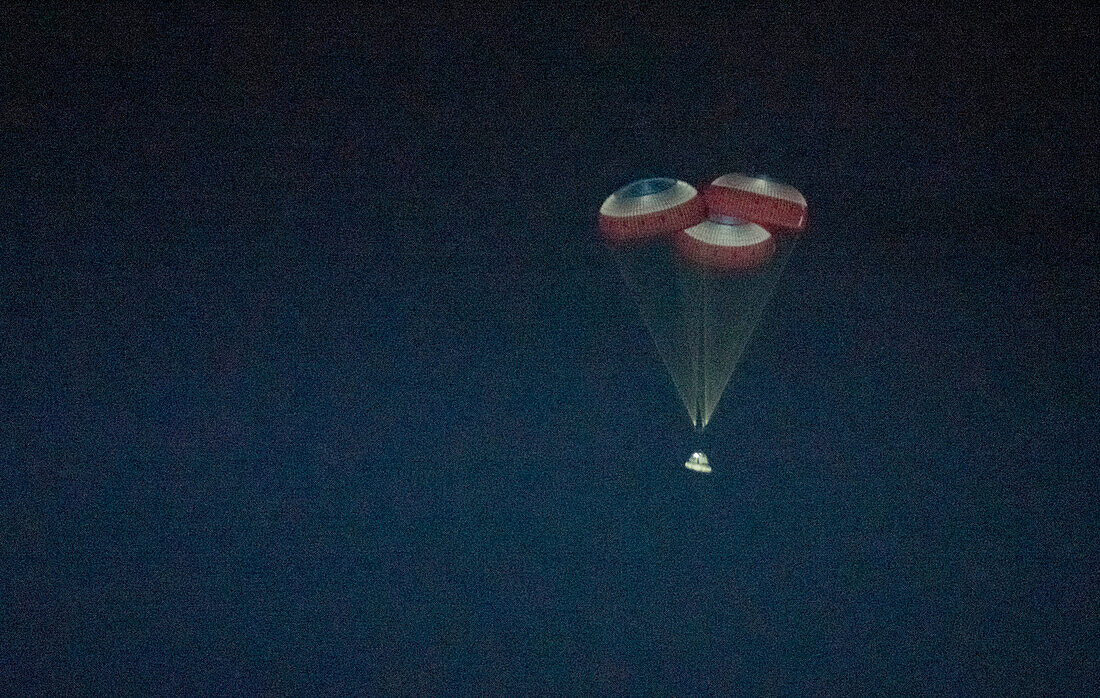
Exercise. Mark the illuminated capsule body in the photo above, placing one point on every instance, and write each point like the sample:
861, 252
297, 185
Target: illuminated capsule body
725, 245
778, 207
698, 462
650, 208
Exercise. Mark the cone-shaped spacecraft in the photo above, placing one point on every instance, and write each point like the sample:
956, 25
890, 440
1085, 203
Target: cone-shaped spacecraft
650, 208
777, 207
698, 462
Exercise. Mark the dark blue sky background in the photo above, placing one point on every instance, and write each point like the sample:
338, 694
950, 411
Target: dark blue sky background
316, 380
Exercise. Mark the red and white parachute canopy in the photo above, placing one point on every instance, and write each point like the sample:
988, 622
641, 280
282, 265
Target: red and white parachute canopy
724, 244
778, 207
650, 208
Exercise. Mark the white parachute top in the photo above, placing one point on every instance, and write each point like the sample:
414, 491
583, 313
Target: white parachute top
776, 206
698, 462
761, 186
650, 208
728, 232
725, 244
647, 196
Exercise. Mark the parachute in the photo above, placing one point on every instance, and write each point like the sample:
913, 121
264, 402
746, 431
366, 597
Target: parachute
702, 268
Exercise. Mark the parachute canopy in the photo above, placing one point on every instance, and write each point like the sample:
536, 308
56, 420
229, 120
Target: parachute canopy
702, 269
650, 208
777, 207
725, 244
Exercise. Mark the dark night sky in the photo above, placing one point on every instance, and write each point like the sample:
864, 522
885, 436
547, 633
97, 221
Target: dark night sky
316, 379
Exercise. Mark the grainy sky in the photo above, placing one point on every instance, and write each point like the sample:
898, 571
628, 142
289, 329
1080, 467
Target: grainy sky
317, 381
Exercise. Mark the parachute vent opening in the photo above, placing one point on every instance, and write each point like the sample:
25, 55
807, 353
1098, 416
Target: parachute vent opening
645, 187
